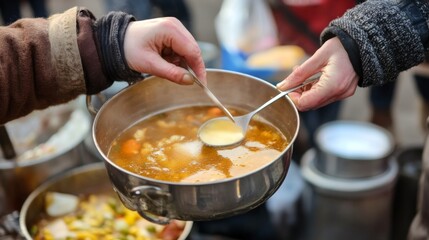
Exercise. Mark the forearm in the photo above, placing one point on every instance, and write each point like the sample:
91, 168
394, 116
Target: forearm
40, 64
51, 61
381, 39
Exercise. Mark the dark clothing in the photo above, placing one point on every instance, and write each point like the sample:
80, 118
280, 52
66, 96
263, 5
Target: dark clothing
381, 39
11, 10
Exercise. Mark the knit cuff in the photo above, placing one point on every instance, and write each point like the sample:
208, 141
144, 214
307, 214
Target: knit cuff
110, 33
386, 41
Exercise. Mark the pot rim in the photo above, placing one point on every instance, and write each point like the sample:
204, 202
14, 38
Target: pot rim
13, 163
220, 181
321, 146
346, 185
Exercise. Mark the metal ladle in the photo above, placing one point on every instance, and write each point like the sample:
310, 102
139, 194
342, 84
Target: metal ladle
209, 93
221, 132
6, 144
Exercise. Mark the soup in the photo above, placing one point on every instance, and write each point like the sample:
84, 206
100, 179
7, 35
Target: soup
166, 147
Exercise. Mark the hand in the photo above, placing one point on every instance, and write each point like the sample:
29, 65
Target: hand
156, 46
338, 80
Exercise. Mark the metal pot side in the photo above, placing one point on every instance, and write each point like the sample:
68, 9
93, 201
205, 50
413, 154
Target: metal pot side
159, 201
19, 179
358, 208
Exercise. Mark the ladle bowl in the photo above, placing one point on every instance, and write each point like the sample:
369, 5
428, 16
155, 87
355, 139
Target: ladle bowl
222, 132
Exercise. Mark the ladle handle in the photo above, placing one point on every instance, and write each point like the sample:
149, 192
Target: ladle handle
209, 93
282, 94
6, 144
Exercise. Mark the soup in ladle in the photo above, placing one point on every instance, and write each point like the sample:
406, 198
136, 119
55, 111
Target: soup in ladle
165, 146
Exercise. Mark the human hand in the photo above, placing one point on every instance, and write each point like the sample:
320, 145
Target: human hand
157, 46
338, 80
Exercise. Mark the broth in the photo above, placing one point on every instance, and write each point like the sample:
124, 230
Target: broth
166, 147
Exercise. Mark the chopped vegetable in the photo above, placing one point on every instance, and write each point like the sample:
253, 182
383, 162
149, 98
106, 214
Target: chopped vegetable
131, 146
101, 217
214, 112
58, 204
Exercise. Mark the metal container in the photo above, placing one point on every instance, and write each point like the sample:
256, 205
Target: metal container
18, 178
159, 201
352, 209
410, 161
352, 149
88, 179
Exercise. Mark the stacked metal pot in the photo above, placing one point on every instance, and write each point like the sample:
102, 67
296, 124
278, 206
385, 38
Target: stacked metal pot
351, 176
47, 143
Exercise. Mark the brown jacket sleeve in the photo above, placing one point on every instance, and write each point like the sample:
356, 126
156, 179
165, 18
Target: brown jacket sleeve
41, 65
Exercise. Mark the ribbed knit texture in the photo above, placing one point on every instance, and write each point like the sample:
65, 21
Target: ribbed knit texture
110, 32
388, 42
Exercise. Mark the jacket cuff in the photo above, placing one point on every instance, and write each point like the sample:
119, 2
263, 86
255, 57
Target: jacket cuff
350, 46
110, 32
65, 53
95, 79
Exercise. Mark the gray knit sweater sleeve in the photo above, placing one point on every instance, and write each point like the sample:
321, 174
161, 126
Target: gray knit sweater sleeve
390, 37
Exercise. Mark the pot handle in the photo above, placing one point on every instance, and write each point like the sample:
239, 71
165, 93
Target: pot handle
102, 98
89, 105
144, 193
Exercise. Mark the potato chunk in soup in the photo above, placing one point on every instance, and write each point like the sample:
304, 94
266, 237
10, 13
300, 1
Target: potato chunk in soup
166, 147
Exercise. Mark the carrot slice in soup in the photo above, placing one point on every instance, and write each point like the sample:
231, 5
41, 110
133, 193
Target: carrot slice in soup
131, 146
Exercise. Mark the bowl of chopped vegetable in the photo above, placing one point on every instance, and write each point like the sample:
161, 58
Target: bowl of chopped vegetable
81, 204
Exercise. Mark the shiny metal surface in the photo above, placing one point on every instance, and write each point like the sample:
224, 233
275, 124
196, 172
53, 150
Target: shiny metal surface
353, 209
210, 94
87, 179
19, 178
353, 149
6, 144
159, 201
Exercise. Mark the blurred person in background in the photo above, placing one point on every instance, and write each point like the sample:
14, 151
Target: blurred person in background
145, 9
11, 10
301, 23
382, 98
369, 46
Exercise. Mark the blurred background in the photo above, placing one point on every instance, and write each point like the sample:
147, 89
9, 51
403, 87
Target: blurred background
285, 216
406, 107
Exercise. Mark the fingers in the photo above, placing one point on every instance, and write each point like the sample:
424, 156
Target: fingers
158, 66
307, 69
327, 90
184, 45
146, 43
338, 80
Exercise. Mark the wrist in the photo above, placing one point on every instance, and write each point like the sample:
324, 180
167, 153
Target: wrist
349, 45
110, 32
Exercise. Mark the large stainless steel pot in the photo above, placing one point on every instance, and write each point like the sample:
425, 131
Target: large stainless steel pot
20, 176
87, 179
159, 201
347, 208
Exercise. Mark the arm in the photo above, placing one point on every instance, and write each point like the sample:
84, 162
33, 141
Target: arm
370, 45
51, 61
